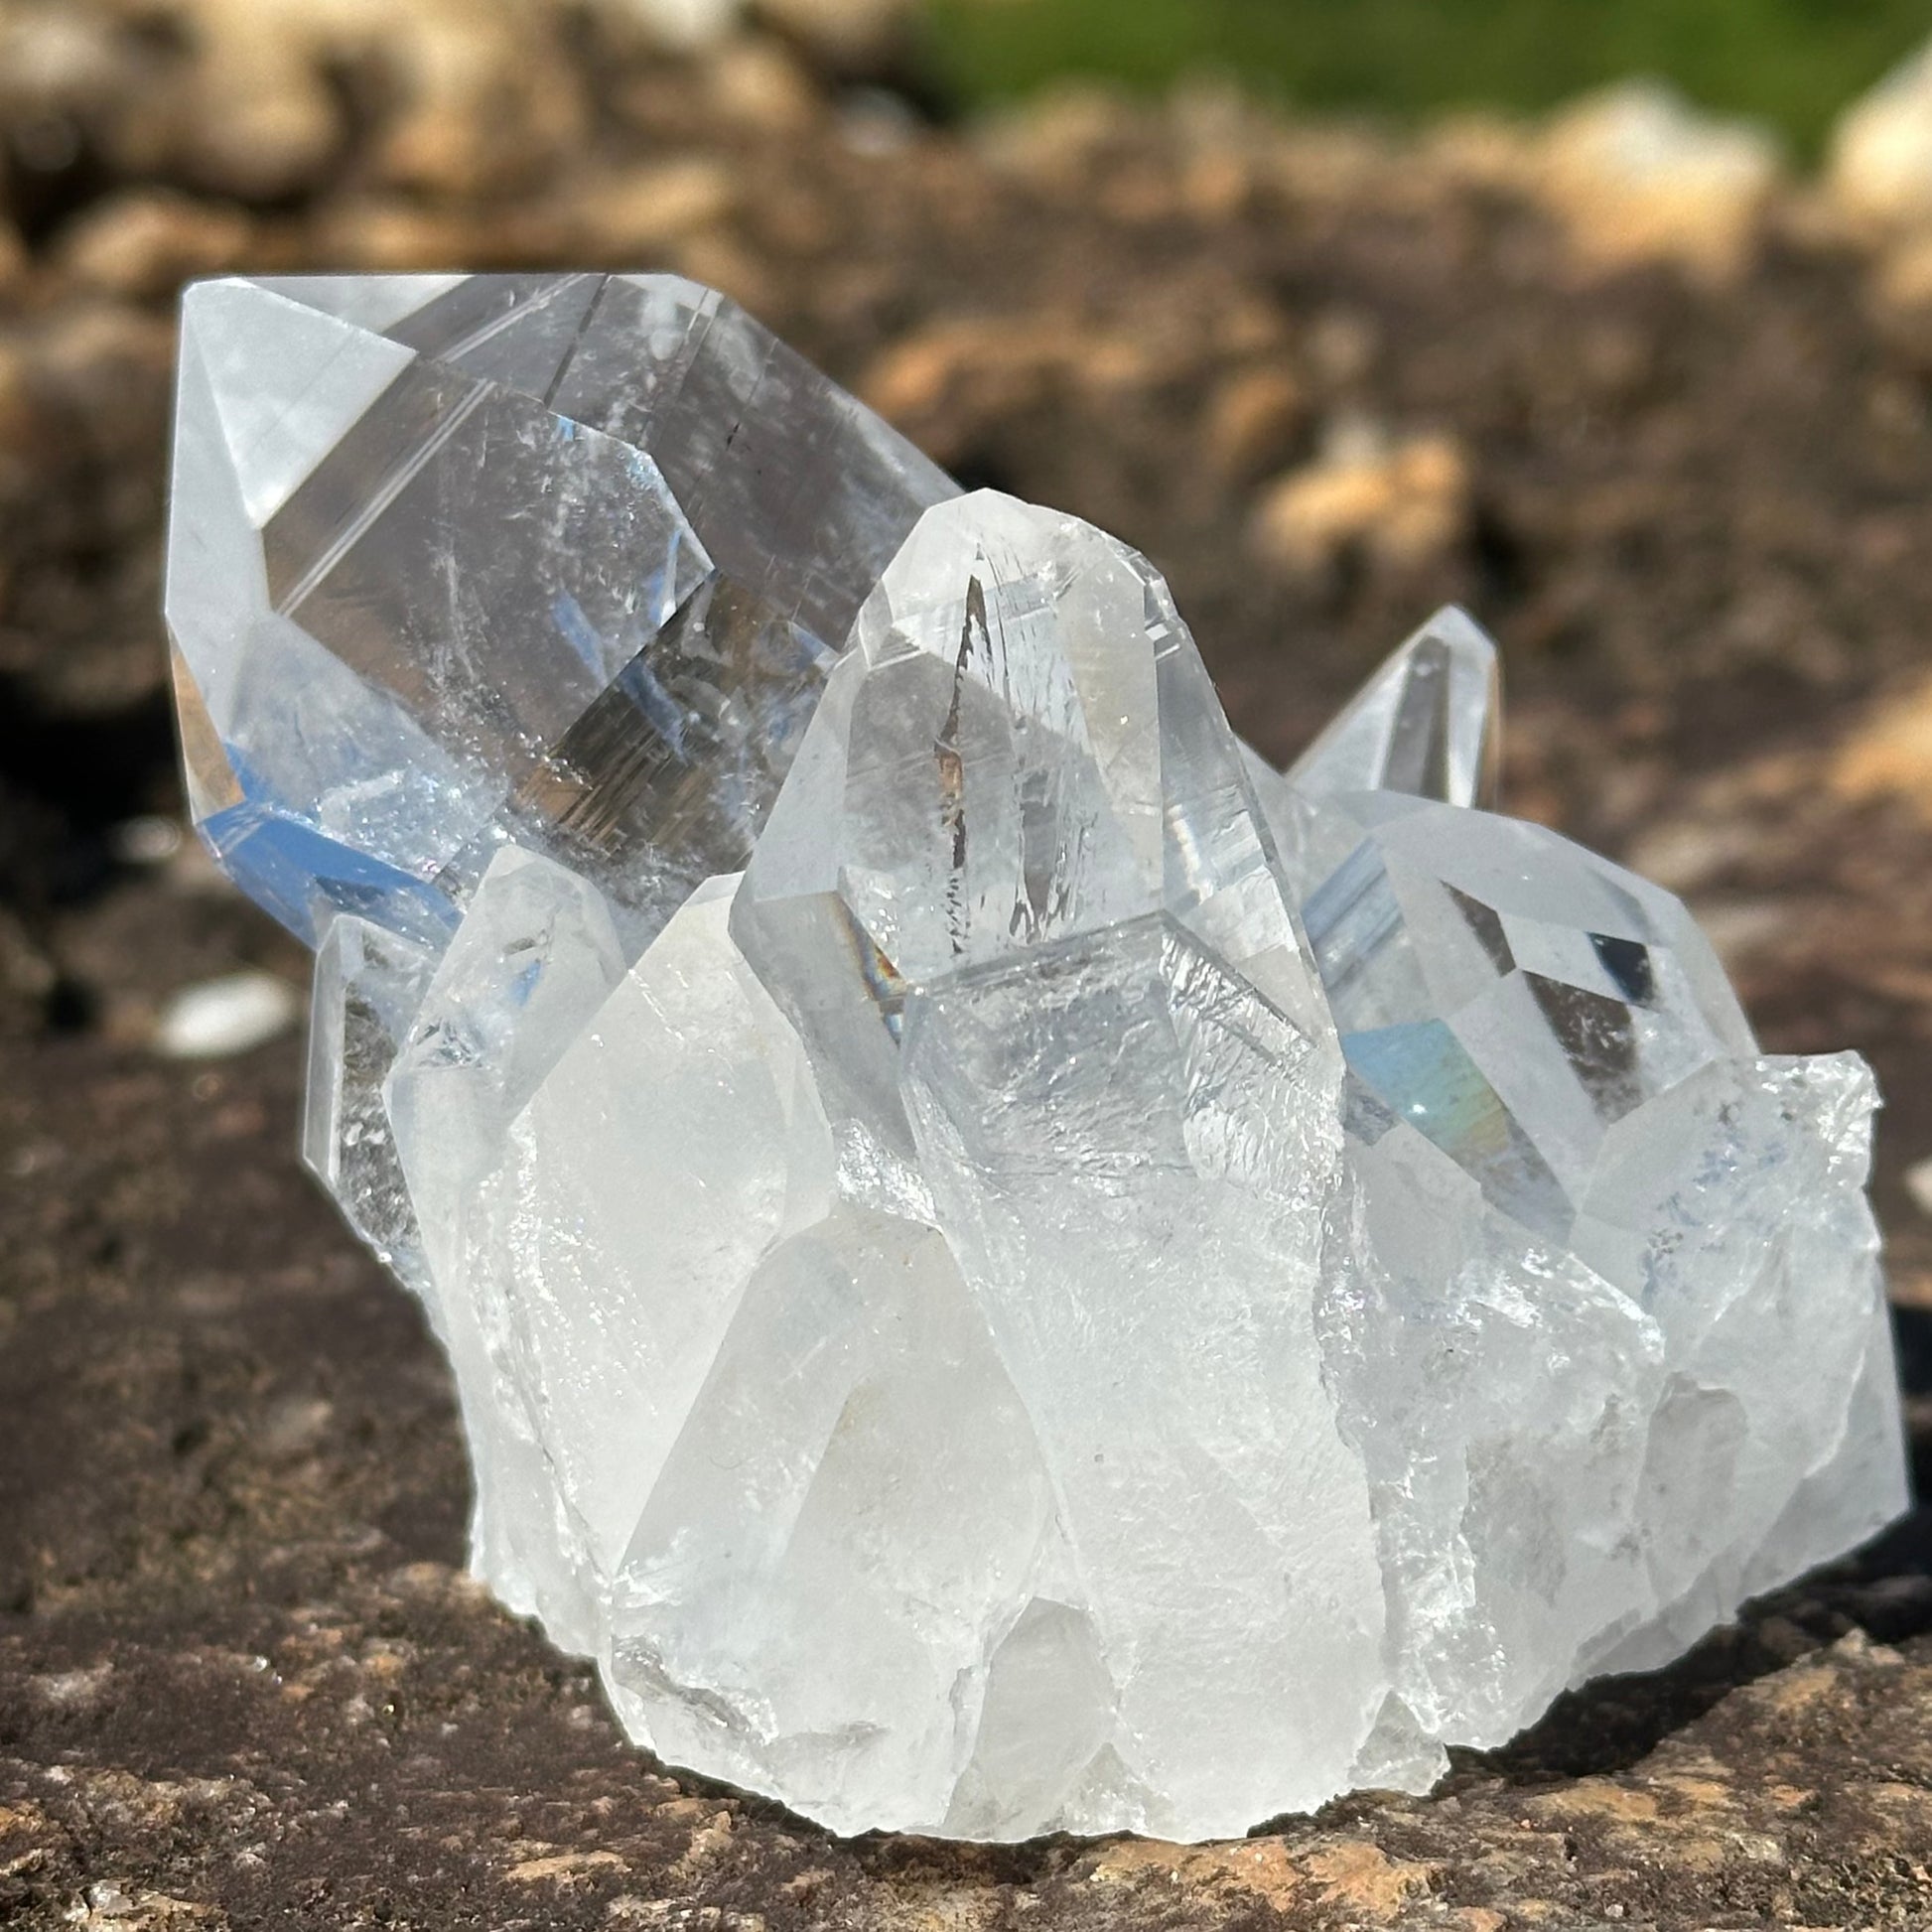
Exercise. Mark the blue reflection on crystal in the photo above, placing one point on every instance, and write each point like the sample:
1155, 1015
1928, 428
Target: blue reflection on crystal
302, 877
578, 632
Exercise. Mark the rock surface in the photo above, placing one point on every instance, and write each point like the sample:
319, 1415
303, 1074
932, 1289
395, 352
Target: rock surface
240, 1676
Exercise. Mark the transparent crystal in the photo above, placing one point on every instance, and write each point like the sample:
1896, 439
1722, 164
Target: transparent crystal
1507, 994
1093, 1285
666, 1150
853, 1508
368, 984
563, 558
1129, 1150
1425, 724
1021, 747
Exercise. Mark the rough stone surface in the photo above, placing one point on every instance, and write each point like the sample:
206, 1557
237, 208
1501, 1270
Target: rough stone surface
1700, 528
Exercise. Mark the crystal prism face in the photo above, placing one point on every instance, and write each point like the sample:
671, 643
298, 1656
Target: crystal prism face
455, 560
1008, 1268
1510, 996
1021, 747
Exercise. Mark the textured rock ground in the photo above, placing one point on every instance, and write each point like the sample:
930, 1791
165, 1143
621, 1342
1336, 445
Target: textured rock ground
1326, 384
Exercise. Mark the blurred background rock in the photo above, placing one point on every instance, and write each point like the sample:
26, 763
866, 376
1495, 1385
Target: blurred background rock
1613, 323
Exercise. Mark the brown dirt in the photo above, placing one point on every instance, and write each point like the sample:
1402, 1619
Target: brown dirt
242, 1680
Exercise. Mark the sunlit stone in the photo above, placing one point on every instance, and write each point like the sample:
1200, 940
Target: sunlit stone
1008, 1268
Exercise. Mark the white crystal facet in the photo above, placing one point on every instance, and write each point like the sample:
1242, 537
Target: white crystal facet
850, 1514
1130, 1150
666, 1152
1008, 1268
529, 965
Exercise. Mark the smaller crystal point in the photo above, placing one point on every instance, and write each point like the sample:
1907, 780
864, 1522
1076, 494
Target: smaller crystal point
1425, 724
1091, 1285
531, 963
1507, 994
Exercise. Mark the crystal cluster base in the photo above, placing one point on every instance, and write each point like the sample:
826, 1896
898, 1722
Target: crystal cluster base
1009, 1267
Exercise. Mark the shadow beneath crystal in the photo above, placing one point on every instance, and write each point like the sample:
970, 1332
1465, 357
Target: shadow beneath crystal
1883, 1589
902, 1859
1614, 1723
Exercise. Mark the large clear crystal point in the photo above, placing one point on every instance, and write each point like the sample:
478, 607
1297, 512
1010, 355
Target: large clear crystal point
1094, 1284
563, 558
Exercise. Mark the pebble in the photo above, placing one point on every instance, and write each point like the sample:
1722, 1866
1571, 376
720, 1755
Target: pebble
1403, 504
1638, 174
146, 242
1890, 754
1252, 420
847, 33
644, 210
224, 1017
759, 85
1880, 169
151, 839
688, 23
1918, 1184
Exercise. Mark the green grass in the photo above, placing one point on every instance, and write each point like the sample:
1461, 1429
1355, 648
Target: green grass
1792, 62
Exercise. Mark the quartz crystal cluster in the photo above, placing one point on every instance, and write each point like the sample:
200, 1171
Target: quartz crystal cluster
1009, 1267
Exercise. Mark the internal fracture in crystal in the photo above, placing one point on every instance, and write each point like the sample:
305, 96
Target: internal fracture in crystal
1008, 1268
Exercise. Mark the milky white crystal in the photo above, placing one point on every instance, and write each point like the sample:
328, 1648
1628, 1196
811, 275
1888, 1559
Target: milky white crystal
1008, 1268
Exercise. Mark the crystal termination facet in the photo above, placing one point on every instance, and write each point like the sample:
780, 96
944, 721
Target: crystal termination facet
1009, 1267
